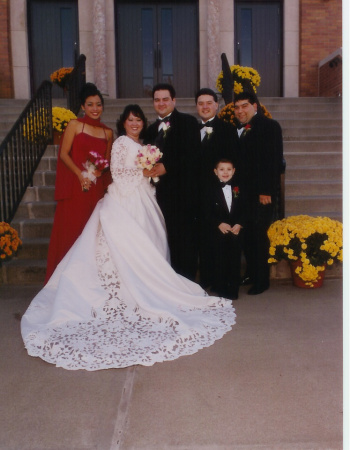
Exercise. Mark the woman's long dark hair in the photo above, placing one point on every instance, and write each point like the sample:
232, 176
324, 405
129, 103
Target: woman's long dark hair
137, 112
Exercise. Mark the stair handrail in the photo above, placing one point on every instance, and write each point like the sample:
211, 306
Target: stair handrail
76, 81
22, 149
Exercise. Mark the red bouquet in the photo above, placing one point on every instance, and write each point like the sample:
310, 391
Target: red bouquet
94, 162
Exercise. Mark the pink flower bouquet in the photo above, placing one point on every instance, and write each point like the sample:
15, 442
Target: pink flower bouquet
147, 157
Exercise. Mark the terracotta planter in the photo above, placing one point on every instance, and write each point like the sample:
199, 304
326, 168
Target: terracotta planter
56, 137
297, 281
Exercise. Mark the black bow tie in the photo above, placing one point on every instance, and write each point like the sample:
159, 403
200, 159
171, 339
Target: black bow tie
165, 119
241, 125
202, 125
226, 183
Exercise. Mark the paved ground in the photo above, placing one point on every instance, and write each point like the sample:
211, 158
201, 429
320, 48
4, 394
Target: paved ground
273, 382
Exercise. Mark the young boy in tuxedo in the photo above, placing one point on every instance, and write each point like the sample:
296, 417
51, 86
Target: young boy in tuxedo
224, 215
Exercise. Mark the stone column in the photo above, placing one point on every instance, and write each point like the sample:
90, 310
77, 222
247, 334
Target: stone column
213, 30
99, 44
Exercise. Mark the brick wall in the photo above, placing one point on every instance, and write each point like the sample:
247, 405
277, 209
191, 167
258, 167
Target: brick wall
321, 35
330, 78
6, 83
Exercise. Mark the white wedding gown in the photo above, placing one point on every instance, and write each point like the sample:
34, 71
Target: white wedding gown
114, 301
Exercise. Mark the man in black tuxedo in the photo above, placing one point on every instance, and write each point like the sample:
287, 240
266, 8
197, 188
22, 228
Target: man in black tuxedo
218, 141
176, 134
259, 167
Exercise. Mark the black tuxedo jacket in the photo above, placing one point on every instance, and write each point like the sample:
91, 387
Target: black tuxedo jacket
260, 161
222, 143
217, 211
177, 190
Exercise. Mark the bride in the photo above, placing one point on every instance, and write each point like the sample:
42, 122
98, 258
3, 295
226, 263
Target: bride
114, 301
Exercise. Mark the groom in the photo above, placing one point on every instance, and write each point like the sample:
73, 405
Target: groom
176, 134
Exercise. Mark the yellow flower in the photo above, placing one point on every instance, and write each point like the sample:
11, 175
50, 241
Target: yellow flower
61, 117
239, 74
315, 241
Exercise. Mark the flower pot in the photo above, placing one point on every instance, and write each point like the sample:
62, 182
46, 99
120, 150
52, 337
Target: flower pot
56, 137
297, 281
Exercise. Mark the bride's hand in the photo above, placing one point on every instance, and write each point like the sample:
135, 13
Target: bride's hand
97, 173
147, 173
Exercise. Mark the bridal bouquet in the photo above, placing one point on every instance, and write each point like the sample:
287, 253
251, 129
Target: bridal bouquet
147, 157
94, 162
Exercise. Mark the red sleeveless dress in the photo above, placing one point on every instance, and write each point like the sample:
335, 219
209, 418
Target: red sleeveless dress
74, 207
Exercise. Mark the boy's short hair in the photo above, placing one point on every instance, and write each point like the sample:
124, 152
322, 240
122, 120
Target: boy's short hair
224, 160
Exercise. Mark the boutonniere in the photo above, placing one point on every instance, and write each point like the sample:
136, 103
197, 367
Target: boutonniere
166, 127
235, 191
208, 131
246, 129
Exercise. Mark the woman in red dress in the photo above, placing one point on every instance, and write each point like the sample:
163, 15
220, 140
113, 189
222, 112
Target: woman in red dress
77, 195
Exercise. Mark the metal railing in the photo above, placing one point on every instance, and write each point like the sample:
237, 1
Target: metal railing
76, 81
22, 149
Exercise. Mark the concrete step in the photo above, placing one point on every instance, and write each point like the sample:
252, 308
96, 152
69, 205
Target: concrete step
305, 115
312, 146
36, 210
305, 188
48, 163
317, 132
328, 124
44, 178
313, 159
315, 204
34, 248
33, 228
292, 135
39, 194
312, 174
24, 271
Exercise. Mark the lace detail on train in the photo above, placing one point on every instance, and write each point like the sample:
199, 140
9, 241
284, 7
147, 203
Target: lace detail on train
121, 334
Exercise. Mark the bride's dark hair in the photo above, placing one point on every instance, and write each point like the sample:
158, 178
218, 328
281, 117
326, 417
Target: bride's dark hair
89, 90
136, 111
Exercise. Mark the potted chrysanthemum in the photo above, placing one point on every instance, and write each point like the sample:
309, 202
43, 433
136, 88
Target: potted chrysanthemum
239, 74
309, 244
61, 76
9, 242
60, 119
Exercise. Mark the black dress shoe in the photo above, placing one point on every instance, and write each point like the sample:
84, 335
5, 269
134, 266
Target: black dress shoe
245, 281
256, 290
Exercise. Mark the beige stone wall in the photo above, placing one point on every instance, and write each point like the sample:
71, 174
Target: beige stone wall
19, 48
97, 43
